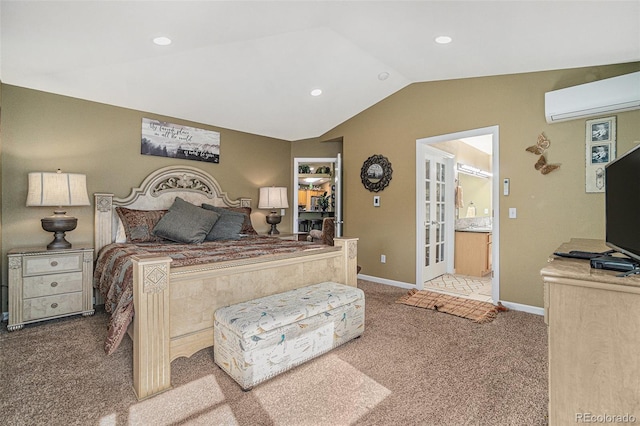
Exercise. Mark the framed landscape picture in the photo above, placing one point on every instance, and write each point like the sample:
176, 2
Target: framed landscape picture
176, 141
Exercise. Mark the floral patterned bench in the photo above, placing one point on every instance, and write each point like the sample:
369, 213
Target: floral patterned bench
261, 338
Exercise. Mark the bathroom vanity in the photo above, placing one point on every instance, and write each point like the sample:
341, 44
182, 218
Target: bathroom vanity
473, 251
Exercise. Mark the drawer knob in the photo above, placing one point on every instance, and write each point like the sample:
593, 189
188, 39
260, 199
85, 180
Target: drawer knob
54, 284
54, 263
54, 305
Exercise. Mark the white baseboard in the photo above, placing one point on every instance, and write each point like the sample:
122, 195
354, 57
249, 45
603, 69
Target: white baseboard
511, 305
524, 308
386, 281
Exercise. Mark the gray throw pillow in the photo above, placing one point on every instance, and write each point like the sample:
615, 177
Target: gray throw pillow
185, 223
227, 227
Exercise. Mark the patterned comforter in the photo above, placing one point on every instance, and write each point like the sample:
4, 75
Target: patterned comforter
113, 276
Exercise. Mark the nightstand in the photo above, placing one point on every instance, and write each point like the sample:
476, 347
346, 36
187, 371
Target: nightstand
46, 284
298, 236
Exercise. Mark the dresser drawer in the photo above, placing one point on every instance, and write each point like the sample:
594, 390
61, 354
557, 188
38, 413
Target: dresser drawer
47, 285
51, 306
52, 264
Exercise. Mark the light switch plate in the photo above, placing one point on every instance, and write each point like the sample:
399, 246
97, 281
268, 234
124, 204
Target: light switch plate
512, 213
376, 201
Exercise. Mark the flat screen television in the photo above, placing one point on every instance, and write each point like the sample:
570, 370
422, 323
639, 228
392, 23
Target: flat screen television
622, 204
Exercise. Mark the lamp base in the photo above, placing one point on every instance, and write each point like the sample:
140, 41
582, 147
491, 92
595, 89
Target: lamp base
59, 242
59, 224
273, 219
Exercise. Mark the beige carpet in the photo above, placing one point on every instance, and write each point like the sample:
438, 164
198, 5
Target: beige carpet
475, 310
411, 367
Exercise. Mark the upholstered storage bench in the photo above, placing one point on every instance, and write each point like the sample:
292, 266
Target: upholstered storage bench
258, 339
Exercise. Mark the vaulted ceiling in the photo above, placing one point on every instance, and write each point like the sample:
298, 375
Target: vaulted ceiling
251, 66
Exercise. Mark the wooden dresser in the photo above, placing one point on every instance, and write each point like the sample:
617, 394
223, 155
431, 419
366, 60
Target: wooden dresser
593, 320
46, 284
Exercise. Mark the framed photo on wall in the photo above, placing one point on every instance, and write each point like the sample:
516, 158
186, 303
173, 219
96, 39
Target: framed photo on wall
600, 150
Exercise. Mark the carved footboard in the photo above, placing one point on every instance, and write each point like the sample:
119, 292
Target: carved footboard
174, 307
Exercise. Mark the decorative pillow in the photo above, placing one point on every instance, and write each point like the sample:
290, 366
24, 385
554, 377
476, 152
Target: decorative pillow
228, 226
247, 226
138, 224
185, 223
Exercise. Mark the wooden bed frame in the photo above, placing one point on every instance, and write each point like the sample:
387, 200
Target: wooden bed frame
174, 306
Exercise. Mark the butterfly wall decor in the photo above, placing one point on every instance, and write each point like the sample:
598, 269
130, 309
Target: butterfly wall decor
541, 146
545, 168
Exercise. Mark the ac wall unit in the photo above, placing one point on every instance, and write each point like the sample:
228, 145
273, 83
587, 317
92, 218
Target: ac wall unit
601, 97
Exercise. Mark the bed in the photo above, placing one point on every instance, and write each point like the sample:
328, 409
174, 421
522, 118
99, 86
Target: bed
174, 306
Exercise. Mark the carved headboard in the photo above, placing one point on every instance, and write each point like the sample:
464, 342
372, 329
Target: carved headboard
157, 192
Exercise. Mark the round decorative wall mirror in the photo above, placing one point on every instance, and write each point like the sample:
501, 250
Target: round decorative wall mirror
376, 173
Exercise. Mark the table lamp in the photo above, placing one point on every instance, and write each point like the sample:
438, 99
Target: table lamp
273, 197
58, 189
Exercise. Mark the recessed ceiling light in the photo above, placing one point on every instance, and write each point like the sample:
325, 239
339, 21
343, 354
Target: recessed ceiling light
383, 76
316, 92
443, 39
162, 41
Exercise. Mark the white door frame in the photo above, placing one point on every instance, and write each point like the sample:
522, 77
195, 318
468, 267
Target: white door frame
421, 145
338, 208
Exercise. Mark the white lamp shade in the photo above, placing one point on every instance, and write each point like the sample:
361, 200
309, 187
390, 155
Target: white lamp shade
273, 197
57, 189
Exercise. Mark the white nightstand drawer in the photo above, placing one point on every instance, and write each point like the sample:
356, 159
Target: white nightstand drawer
47, 285
51, 264
51, 306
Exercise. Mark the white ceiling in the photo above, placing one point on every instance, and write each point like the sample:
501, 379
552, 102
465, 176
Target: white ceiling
250, 66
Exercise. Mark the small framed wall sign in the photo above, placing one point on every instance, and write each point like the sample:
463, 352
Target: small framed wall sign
600, 150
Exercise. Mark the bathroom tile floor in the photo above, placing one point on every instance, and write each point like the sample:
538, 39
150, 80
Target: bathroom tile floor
477, 288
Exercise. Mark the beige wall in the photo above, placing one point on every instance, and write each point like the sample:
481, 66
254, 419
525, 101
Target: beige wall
43, 132
551, 209
315, 148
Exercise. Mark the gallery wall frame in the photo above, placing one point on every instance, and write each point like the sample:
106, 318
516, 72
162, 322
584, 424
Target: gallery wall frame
600, 144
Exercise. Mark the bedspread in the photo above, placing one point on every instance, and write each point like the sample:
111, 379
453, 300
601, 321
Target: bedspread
113, 276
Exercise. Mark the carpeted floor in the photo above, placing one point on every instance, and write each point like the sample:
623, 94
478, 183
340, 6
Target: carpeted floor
411, 366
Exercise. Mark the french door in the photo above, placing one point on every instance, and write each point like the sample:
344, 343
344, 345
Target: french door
437, 170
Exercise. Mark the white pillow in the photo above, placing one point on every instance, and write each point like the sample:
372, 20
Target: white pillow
121, 236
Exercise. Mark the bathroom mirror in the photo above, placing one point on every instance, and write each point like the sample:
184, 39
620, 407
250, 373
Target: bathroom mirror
476, 190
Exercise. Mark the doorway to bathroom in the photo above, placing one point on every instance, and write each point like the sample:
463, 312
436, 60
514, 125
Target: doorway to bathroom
465, 203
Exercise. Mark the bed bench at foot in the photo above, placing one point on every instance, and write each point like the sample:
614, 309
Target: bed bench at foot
261, 338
